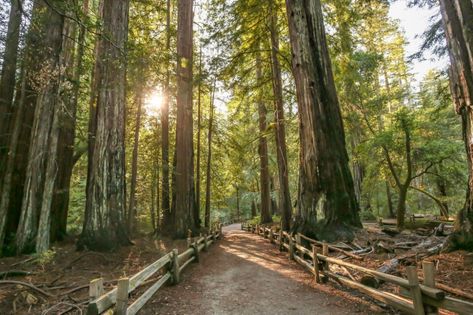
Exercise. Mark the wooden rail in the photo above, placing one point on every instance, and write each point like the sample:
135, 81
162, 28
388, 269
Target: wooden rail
413, 297
170, 266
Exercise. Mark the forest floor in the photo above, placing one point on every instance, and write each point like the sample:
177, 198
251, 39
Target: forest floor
64, 274
241, 274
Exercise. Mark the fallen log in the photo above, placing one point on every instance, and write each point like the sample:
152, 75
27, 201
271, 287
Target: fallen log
332, 247
390, 232
389, 268
15, 273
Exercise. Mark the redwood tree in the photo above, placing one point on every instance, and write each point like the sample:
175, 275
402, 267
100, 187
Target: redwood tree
104, 224
283, 171
184, 172
325, 181
457, 16
134, 167
7, 88
73, 63
263, 149
7, 80
209, 160
166, 209
41, 173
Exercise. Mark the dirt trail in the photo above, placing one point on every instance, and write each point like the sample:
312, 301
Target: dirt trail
244, 274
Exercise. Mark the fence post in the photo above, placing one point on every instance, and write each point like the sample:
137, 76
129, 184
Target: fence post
415, 290
257, 229
189, 238
122, 296
206, 245
315, 262
299, 242
95, 288
195, 247
325, 253
271, 236
428, 269
175, 266
214, 235
291, 247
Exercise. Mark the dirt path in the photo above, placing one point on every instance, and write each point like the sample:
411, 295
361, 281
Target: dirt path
244, 274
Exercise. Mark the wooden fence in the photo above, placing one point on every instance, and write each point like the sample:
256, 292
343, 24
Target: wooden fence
170, 265
412, 297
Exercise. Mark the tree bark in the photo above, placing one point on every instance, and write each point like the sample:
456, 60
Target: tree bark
104, 225
66, 158
25, 104
390, 201
134, 168
209, 162
41, 173
199, 127
9, 214
238, 202
263, 149
166, 209
154, 184
283, 171
442, 189
7, 82
185, 202
457, 18
325, 181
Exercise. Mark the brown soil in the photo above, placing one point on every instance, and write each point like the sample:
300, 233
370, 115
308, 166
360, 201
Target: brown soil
68, 270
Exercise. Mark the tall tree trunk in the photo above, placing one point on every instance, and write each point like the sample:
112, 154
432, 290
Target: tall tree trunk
401, 206
281, 151
209, 161
199, 127
185, 202
457, 18
325, 181
442, 189
274, 204
66, 160
158, 192
263, 148
404, 187
166, 209
253, 208
104, 225
134, 168
238, 202
10, 215
41, 173
25, 104
92, 121
154, 184
390, 201
7, 82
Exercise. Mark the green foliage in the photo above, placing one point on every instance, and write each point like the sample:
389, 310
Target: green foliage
45, 258
378, 96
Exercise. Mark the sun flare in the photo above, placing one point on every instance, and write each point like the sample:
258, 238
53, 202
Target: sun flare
153, 102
